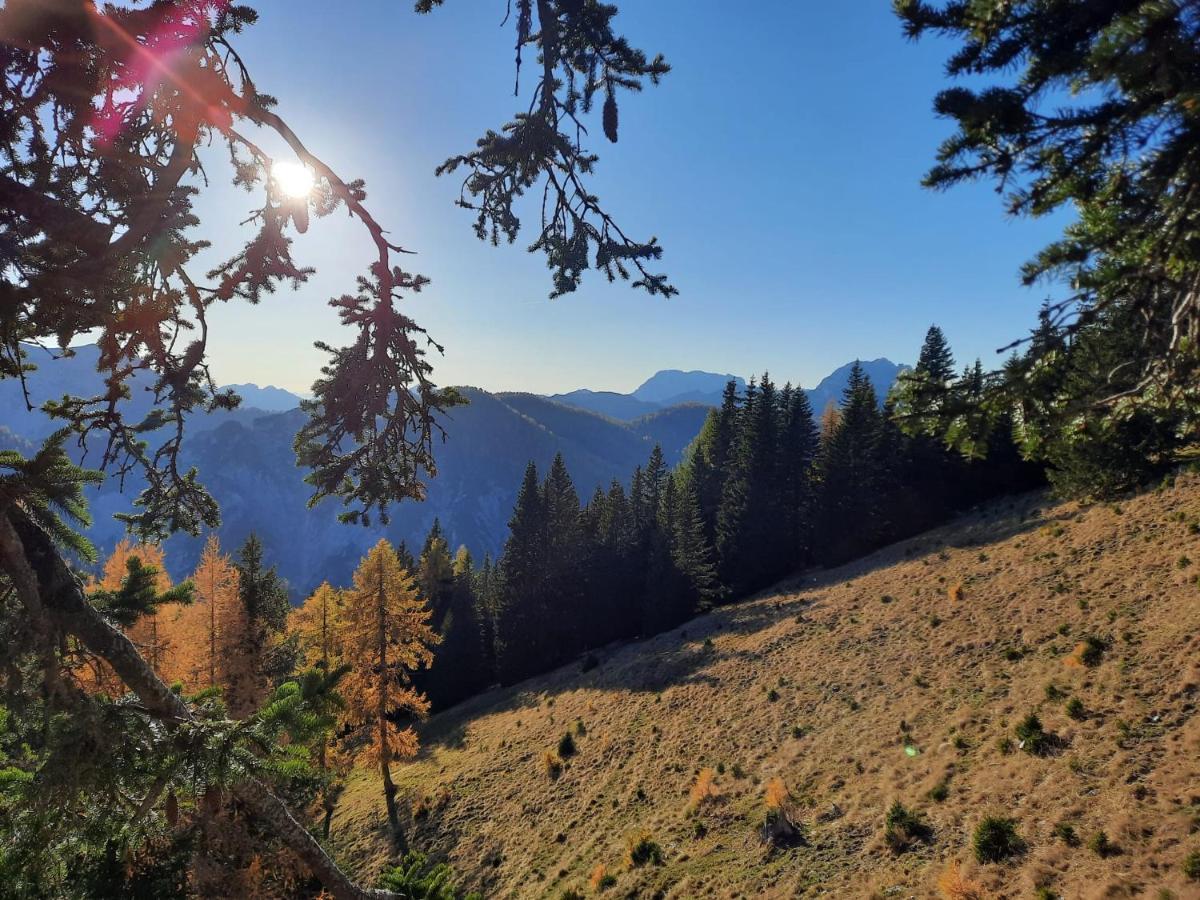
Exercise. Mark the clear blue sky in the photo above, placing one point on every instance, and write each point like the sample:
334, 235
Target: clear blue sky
779, 164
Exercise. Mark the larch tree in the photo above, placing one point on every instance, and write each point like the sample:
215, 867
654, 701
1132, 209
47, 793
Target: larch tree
106, 111
386, 636
317, 626
207, 632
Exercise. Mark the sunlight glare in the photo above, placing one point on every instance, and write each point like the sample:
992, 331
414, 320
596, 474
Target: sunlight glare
293, 178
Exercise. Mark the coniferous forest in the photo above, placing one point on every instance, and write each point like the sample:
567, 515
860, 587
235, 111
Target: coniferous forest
219, 737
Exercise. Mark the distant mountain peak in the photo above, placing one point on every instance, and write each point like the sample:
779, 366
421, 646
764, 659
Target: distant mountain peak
670, 386
268, 398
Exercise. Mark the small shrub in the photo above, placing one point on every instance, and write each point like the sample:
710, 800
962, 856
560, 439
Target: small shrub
580, 728
414, 877
1045, 893
1075, 709
601, 879
566, 745
797, 731
996, 839
1100, 844
772, 695
552, 765
642, 850
738, 771
903, 828
1032, 736
1054, 693
570, 894
699, 829
1090, 651
940, 791
704, 788
1065, 832
956, 593
720, 768
1005, 745
1191, 865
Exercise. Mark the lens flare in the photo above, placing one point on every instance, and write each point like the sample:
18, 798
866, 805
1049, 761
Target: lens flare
293, 178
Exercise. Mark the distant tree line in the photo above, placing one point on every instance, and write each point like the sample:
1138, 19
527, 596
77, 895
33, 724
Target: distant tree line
763, 491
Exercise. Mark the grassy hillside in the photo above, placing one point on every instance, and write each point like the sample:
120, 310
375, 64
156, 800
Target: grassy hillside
904, 677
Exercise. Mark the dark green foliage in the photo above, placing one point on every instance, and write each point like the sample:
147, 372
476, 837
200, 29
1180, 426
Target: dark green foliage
1191, 866
1092, 651
849, 517
1033, 737
417, 879
643, 850
903, 828
996, 839
138, 596
1100, 844
1075, 709
1087, 106
1065, 832
566, 745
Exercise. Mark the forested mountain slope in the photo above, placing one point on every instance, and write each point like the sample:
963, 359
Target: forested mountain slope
903, 677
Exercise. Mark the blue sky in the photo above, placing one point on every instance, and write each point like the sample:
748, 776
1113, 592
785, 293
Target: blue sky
779, 165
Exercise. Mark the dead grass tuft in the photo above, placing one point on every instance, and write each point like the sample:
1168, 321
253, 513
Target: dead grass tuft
704, 789
778, 796
955, 886
956, 592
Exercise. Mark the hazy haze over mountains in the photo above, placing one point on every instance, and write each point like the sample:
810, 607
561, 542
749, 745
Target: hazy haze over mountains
246, 459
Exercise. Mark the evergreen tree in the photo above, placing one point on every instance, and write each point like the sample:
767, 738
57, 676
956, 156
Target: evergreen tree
709, 456
935, 361
521, 636
799, 446
848, 517
693, 554
265, 604
461, 668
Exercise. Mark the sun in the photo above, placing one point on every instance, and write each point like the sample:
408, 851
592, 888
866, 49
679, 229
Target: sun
293, 178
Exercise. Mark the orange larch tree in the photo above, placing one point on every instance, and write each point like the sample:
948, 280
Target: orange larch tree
205, 634
385, 637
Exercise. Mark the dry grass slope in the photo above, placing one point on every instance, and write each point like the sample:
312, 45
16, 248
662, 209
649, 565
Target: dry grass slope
903, 676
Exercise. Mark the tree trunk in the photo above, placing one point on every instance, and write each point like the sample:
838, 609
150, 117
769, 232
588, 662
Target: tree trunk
385, 755
53, 596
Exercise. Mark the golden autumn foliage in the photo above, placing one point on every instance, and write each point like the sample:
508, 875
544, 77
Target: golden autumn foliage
385, 635
955, 886
778, 796
704, 788
316, 624
205, 634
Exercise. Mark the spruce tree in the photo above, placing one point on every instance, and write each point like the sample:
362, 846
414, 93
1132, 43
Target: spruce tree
708, 463
562, 599
265, 602
799, 446
848, 514
521, 636
693, 554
